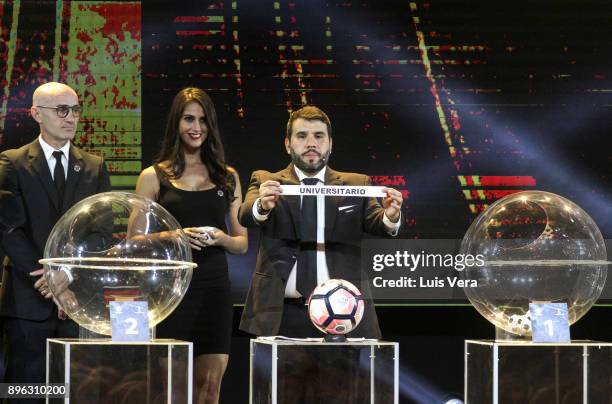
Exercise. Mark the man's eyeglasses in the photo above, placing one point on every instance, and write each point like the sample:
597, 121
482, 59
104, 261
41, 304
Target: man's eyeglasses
62, 110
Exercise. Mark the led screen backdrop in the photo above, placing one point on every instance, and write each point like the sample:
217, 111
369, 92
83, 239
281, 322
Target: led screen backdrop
95, 47
455, 103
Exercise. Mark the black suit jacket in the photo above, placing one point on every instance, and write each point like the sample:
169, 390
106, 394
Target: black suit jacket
28, 211
279, 247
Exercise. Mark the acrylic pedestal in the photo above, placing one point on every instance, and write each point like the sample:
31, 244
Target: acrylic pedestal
314, 371
527, 372
102, 371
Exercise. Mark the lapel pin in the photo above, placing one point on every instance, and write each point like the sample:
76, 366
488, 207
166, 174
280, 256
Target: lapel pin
76, 168
220, 193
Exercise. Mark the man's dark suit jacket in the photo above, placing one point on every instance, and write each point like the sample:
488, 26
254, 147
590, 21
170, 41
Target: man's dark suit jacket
29, 210
279, 247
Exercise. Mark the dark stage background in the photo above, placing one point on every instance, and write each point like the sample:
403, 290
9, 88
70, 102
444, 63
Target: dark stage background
456, 103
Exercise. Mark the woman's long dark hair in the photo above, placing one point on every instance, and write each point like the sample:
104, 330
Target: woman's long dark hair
211, 152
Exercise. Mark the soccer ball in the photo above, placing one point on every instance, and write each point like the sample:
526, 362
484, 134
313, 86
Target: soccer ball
335, 306
520, 323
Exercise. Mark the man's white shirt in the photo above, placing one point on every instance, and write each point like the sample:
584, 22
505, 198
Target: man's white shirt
51, 161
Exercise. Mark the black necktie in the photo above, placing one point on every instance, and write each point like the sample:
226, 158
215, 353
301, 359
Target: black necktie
307, 259
59, 177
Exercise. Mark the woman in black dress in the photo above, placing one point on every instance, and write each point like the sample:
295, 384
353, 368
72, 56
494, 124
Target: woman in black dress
191, 180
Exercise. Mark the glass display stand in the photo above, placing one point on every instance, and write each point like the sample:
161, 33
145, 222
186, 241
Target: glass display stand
309, 371
527, 372
102, 371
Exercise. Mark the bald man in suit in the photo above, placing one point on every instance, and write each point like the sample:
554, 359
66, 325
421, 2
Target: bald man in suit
38, 183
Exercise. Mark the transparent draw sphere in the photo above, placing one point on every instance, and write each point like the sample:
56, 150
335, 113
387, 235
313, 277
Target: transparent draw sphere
536, 247
117, 246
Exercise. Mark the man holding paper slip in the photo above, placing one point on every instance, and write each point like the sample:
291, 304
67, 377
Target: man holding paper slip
312, 220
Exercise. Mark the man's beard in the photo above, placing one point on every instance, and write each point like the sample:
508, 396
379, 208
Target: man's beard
309, 168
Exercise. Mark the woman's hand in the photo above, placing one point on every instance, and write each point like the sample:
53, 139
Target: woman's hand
216, 237
196, 237
202, 237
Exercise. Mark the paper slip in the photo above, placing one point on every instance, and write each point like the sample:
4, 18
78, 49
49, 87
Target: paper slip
334, 190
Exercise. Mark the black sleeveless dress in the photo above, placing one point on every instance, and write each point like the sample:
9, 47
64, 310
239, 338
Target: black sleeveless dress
204, 316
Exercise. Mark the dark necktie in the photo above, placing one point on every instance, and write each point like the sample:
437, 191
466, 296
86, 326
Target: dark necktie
307, 259
59, 177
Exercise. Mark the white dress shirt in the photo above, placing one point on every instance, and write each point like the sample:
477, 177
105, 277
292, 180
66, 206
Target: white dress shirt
51, 161
48, 150
322, 270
